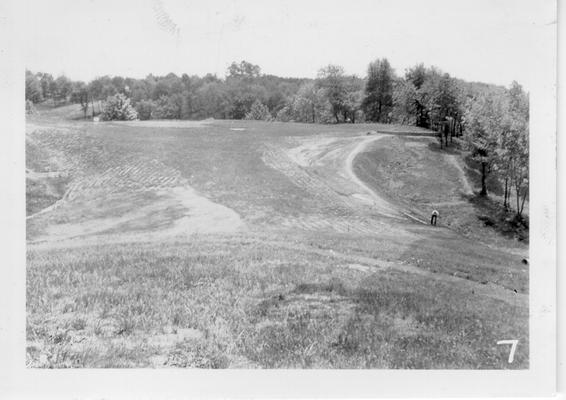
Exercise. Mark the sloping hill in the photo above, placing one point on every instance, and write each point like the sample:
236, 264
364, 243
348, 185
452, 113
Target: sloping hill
251, 244
416, 174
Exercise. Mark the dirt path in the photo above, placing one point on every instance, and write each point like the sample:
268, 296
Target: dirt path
468, 190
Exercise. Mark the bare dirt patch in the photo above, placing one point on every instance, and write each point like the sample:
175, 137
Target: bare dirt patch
467, 187
149, 214
135, 197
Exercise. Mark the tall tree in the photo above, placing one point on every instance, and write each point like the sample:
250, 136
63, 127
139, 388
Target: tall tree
48, 85
243, 69
243, 88
483, 116
378, 99
332, 80
305, 103
519, 143
211, 100
168, 107
443, 106
79, 94
417, 76
310, 104
64, 88
100, 89
405, 104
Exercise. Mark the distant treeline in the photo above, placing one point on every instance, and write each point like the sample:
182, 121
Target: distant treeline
423, 96
493, 120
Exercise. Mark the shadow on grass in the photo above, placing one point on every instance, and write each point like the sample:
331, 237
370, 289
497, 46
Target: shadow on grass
506, 222
473, 171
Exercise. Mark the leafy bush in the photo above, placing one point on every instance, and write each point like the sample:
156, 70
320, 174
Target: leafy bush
168, 107
118, 108
145, 109
285, 114
308, 105
259, 112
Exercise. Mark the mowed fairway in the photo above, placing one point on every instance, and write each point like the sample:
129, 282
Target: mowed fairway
241, 244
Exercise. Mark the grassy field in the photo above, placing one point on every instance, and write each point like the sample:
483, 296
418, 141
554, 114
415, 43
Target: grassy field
240, 244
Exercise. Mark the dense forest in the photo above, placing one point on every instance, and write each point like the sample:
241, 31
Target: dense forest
491, 120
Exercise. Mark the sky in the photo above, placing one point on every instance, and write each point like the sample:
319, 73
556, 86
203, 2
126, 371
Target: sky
493, 41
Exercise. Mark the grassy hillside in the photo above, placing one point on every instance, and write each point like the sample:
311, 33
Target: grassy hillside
415, 172
247, 244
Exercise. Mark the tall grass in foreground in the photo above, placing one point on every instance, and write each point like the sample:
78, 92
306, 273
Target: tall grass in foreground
249, 305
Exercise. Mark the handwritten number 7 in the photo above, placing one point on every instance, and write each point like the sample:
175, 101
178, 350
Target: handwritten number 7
513, 344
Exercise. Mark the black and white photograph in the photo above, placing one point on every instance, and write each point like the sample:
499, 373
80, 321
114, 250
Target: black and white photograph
287, 185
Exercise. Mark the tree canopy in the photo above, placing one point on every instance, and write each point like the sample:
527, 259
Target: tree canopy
378, 99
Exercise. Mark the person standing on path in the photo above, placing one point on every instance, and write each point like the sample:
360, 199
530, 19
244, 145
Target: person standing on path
434, 217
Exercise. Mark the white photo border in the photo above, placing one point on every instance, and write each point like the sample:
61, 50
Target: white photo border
18, 381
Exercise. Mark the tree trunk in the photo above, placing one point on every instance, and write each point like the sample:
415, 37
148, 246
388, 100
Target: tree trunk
506, 193
523, 201
84, 103
483, 176
518, 193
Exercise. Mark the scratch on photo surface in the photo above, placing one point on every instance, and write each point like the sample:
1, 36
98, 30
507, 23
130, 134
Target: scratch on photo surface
164, 20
